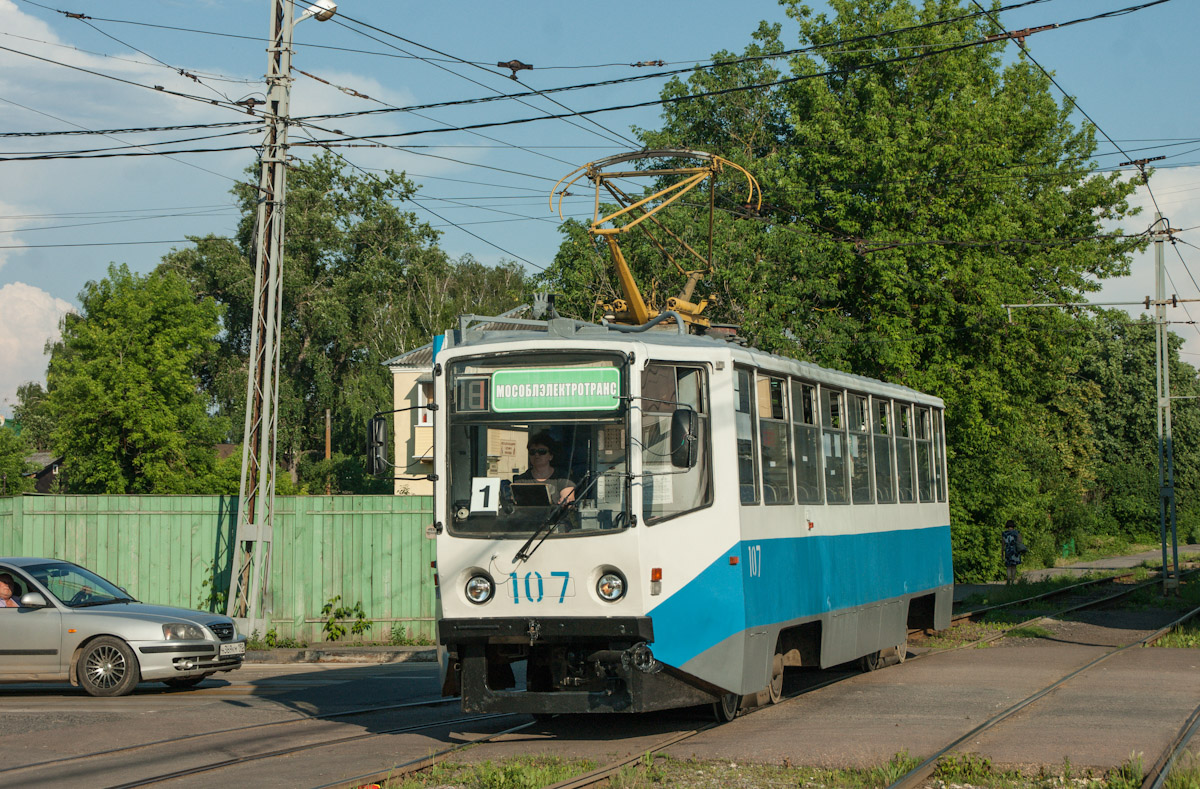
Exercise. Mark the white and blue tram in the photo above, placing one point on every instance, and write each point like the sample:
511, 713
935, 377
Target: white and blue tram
734, 512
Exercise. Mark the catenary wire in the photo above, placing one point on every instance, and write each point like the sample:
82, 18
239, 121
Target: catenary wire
155, 153
445, 68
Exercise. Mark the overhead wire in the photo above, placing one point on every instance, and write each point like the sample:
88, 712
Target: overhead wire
154, 153
610, 134
206, 74
474, 235
181, 71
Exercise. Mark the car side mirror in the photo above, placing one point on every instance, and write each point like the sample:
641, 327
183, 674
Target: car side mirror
33, 600
685, 443
377, 445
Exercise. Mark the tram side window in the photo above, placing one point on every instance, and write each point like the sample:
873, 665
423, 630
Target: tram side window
885, 463
939, 455
924, 455
743, 398
773, 434
859, 422
667, 490
808, 443
904, 453
833, 437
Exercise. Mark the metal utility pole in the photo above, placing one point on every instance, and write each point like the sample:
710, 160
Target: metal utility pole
1166, 451
256, 492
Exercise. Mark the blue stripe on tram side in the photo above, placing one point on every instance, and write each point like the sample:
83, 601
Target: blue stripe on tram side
800, 577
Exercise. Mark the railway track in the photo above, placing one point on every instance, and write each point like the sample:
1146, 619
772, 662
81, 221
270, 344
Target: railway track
925, 769
126, 750
304, 739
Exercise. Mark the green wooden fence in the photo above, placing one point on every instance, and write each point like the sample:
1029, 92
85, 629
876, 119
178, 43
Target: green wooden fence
175, 550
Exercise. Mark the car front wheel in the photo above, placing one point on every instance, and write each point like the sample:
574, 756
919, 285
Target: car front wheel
107, 667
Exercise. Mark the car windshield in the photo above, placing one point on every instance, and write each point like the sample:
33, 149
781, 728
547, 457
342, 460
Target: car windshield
76, 587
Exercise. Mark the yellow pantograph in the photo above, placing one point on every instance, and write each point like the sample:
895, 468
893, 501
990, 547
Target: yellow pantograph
640, 213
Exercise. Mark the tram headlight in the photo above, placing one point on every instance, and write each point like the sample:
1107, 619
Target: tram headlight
611, 587
480, 589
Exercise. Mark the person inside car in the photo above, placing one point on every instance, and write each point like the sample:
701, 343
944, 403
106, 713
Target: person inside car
10, 591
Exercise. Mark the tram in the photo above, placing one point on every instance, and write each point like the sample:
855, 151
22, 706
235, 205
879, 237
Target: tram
733, 513
645, 514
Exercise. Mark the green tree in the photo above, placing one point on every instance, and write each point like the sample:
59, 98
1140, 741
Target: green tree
33, 414
13, 466
363, 281
123, 386
1119, 359
907, 199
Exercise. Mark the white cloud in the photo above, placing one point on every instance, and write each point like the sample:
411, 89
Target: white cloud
30, 318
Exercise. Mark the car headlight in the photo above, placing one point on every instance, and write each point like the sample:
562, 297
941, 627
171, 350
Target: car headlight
181, 631
611, 587
480, 589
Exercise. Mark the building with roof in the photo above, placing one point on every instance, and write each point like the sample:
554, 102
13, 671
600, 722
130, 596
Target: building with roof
412, 431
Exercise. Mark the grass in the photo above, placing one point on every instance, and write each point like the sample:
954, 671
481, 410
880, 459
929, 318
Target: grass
1104, 546
654, 771
1186, 774
1184, 637
525, 772
1025, 588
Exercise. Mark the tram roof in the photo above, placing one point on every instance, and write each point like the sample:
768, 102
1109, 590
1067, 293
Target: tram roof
493, 333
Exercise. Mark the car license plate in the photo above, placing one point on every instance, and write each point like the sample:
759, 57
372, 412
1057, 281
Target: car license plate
238, 648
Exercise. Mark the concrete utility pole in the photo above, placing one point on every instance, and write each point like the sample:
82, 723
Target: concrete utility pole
1166, 451
256, 492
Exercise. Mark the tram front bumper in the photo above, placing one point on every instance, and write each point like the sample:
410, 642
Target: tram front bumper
572, 665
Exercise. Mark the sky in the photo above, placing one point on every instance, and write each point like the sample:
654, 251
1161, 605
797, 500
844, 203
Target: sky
62, 222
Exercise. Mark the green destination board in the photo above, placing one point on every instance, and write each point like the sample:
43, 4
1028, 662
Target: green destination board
556, 389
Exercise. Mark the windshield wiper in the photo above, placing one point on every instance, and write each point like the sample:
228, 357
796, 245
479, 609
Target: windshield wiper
556, 516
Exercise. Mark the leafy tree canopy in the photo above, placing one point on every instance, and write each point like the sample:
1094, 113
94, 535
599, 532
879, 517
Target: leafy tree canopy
363, 281
33, 414
123, 387
14, 449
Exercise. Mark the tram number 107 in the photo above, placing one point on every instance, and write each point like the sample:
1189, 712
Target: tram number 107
535, 587
754, 560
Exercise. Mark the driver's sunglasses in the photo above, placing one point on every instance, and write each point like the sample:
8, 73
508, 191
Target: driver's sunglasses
539, 451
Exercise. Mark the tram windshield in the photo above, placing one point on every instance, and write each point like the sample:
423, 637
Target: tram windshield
537, 439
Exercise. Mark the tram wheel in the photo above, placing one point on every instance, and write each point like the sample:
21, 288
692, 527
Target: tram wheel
726, 709
871, 662
775, 689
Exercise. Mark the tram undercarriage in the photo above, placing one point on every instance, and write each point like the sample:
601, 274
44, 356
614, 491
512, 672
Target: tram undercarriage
572, 665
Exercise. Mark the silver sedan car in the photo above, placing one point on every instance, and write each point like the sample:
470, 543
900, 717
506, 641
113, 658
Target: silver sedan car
71, 624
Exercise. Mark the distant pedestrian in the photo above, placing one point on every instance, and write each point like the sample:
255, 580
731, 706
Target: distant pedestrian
1014, 549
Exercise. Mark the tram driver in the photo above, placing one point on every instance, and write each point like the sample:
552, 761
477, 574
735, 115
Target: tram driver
542, 452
